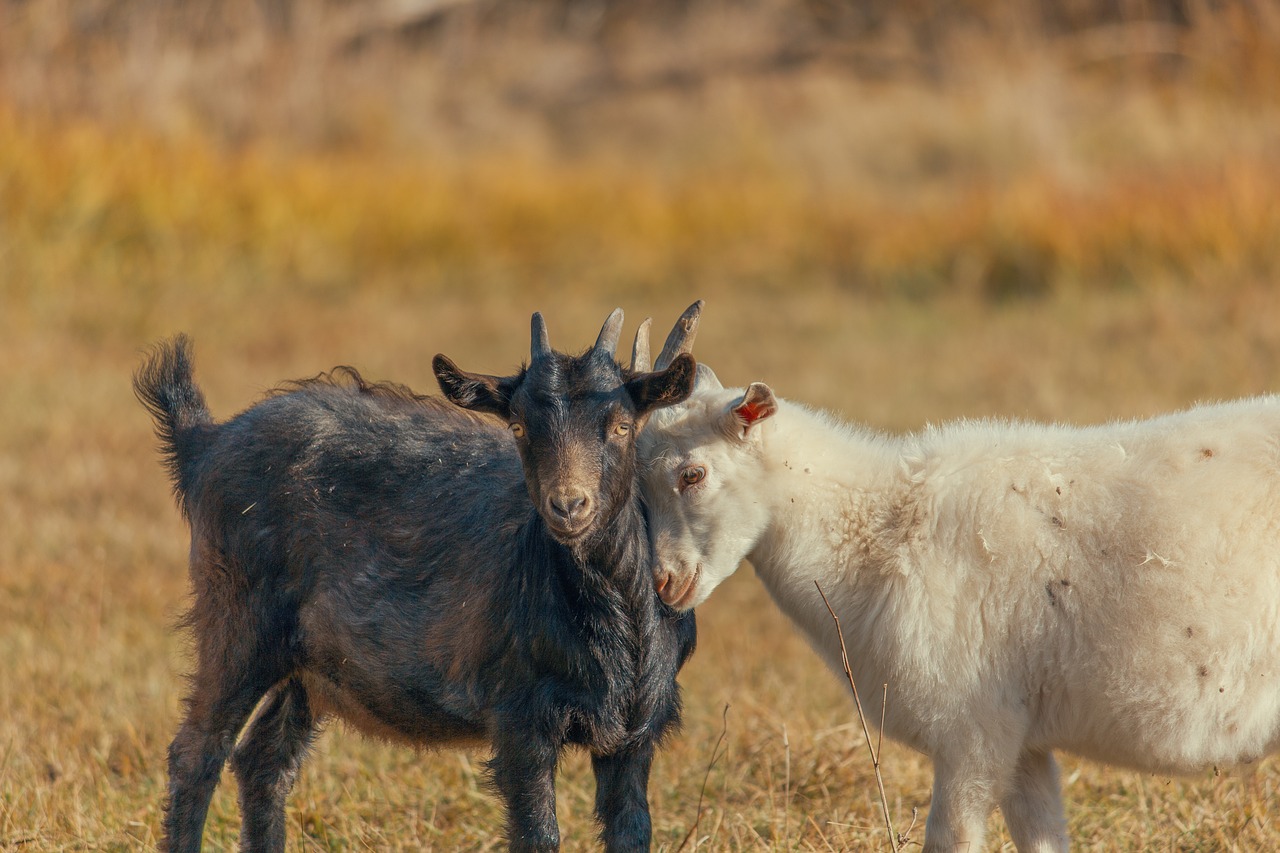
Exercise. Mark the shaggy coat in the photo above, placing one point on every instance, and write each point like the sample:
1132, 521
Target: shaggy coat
362, 552
1113, 591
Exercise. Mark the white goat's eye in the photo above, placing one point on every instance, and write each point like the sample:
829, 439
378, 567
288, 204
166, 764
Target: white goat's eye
517, 429
692, 475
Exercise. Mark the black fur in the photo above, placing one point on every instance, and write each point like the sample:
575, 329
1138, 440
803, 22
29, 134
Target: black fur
364, 552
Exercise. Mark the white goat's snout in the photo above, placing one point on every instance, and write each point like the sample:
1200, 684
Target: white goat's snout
677, 587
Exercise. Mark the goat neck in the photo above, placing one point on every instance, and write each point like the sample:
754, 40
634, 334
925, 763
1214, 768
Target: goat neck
818, 471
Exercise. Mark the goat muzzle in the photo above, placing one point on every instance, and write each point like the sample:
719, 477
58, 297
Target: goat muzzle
569, 512
677, 589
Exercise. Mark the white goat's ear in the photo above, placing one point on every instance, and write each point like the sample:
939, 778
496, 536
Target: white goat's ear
707, 379
756, 404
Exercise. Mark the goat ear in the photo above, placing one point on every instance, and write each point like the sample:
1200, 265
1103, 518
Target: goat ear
476, 391
707, 378
757, 404
650, 391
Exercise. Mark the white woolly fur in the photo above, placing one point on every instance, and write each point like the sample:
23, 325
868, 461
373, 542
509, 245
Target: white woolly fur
1112, 591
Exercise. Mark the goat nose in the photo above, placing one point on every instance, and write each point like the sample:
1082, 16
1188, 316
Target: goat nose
568, 504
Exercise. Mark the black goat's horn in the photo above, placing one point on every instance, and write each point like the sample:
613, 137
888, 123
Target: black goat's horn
640, 349
609, 332
540, 345
681, 337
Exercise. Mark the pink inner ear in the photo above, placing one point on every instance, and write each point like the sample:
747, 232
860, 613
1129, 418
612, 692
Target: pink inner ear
749, 412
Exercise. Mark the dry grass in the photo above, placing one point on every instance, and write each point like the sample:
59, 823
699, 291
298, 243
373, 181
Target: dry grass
94, 551
1013, 221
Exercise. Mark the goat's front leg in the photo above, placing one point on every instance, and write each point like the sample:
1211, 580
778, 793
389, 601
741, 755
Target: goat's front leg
524, 772
1033, 806
970, 776
622, 798
958, 812
974, 764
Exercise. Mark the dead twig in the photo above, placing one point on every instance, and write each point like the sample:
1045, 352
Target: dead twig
875, 756
905, 837
786, 802
715, 756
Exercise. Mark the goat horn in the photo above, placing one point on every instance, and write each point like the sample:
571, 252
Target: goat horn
640, 349
681, 337
540, 346
608, 340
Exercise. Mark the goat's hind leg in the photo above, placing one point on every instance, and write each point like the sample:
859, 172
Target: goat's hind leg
266, 762
1033, 806
622, 799
217, 709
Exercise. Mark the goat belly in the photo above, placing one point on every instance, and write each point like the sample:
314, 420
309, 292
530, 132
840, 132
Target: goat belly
404, 718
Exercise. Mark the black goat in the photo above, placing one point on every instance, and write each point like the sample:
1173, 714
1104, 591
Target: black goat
363, 552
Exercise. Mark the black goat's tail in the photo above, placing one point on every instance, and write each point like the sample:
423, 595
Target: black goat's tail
165, 385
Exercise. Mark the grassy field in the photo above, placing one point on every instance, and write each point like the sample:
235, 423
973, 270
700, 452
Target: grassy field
1075, 223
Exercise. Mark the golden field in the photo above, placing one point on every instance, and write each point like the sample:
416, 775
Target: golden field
902, 219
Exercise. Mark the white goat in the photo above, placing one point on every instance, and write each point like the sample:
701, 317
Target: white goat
1113, 591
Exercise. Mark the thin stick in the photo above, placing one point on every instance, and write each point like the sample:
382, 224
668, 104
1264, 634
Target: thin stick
875, 758
903, 838
884, 706
786, 802
714, 758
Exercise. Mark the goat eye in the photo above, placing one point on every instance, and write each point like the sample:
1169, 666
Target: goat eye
693, 475
622, 429
516, 429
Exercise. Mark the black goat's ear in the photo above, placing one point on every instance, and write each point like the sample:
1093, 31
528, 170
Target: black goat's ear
476, 391
663, 388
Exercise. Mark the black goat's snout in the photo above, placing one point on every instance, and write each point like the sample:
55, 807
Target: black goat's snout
569, 505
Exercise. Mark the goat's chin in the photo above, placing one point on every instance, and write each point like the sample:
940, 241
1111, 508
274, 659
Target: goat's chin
570, 536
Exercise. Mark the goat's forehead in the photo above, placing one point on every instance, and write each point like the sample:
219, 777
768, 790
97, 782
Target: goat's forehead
692, 429
581, 383
699, 415
683, 431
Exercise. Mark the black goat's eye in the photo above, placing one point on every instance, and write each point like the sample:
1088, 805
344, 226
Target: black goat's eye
692, 475
622, 429
517, 429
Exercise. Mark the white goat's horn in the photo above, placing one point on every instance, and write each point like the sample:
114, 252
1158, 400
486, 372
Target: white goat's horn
640, 349
540, 346
609, 332
681, 337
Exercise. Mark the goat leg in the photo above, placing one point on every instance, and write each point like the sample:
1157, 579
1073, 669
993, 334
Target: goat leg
196, 757
622, 802
266, 762
1033, 806
524, 772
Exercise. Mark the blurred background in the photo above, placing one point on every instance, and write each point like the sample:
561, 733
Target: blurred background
904, 212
